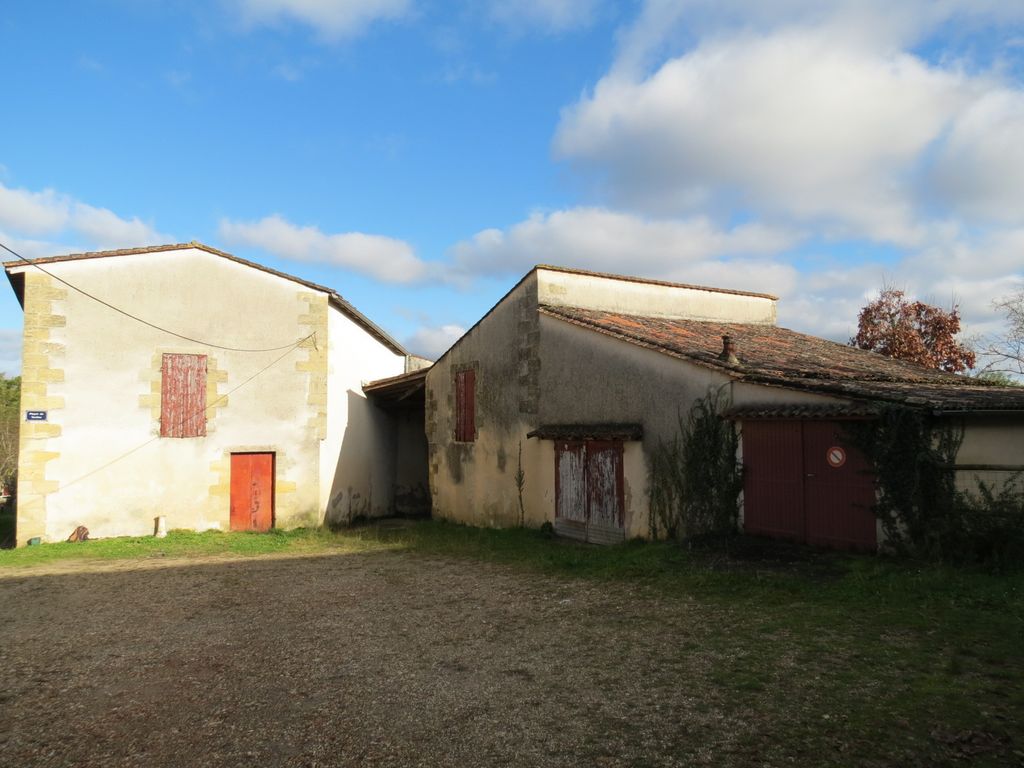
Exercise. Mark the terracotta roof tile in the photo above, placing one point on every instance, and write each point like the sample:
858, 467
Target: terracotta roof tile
588, 432
781, 357
792, 411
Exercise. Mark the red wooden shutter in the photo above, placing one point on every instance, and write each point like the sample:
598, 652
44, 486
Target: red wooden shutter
465, 406
460, 404
470, 421
183, 396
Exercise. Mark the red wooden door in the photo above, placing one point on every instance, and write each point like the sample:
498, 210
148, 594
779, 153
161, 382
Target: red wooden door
773, 479
804, 482
252, 491
838, 490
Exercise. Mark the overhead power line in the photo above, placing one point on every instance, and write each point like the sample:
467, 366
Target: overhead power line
138, 319
183, 420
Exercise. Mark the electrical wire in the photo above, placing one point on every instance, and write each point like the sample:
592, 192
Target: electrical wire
183, 420
138, 319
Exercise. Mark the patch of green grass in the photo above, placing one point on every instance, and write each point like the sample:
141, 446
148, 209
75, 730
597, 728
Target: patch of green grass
187, 544
830, 659
844, 658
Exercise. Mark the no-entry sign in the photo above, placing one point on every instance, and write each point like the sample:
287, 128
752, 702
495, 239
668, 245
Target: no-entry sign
836, 456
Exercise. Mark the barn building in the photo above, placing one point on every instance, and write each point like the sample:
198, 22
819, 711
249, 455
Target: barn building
240, 397
232, 400
549, 408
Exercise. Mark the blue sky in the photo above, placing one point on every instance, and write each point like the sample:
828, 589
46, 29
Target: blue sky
420, 156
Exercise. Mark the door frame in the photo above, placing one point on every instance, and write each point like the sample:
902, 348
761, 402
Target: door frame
806, 530
273, 482
585, 530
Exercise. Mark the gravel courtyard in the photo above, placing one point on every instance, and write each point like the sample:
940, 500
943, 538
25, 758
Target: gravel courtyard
394, 658
366, 659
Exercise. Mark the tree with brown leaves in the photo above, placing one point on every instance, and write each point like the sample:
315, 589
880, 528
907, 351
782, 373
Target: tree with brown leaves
895, 326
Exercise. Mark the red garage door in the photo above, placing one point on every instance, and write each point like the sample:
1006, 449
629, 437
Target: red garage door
803, 481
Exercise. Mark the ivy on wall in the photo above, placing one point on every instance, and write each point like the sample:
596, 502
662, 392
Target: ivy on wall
923, 514
695, 479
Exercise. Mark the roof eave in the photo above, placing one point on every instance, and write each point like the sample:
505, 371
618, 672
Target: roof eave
366, 324
13, 268
846, 390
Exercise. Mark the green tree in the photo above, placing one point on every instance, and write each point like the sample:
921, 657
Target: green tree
10, 421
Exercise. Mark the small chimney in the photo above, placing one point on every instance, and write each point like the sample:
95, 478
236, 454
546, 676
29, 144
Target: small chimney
728, 354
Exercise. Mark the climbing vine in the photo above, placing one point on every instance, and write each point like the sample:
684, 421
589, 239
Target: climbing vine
912, 455
923, 513
520, 481
695, 479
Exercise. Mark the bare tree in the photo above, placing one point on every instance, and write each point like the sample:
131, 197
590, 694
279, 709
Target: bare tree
1006, 352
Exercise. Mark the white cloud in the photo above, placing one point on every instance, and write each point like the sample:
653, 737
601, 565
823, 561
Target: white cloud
10, 351
384, 258
980, 169
287, 72
33, 213
814, 114
796, 125
432, 342
30, 248
819, 294
68, 224
968, 271
90, 64
178, 79
882, 24
551, 15
103, 228
604, 240
332, 19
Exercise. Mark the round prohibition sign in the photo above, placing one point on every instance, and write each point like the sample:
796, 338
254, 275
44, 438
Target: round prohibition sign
835, 456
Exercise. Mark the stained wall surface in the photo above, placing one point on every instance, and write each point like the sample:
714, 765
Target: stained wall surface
98, 460
534, 370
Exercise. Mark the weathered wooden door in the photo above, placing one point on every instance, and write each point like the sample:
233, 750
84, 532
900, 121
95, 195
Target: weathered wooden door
604, 492
571, 482
589, 490
803, 481
838, 490
252, 491
773, 479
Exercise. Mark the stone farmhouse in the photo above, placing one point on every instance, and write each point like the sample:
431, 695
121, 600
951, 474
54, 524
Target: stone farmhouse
243, 398
574, 377
236, 402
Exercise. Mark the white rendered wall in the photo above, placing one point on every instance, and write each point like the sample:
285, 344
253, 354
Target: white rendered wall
654, 300
357, 460
113, 471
